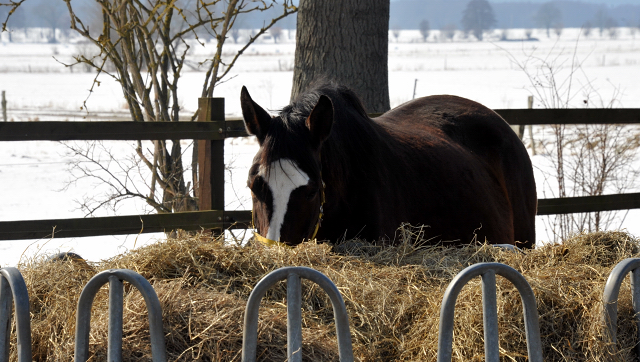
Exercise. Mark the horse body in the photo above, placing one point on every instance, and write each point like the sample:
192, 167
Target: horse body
441, 161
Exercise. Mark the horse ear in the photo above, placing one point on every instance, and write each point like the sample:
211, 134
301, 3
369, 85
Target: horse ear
256, 119
320, 121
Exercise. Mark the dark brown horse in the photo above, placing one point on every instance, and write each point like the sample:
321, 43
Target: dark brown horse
442, 161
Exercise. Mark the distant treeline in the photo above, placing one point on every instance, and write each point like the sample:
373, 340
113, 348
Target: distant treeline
405, 14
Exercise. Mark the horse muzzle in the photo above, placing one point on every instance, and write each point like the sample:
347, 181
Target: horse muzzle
270, 242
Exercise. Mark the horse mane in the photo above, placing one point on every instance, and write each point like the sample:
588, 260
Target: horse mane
353, 133
303, 104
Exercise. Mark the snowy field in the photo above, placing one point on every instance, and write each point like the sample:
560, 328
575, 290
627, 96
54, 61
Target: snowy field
33, 175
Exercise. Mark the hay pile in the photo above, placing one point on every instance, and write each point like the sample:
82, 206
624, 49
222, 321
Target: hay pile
393, 298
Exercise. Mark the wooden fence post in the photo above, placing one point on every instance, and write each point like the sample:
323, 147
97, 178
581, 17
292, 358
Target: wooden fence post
4, 106
533, 145
211, 157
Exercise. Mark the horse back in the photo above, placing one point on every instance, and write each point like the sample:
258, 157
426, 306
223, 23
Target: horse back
484, 135
461, 120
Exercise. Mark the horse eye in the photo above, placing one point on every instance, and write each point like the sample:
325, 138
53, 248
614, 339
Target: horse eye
312, 194
256, 186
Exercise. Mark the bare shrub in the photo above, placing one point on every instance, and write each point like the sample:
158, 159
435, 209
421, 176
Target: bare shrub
396, 32
528, 33
558, 28
448, 32
586, 29
424, 29
585, 160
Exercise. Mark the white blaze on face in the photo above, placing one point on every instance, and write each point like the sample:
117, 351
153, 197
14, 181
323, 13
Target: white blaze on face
283, 177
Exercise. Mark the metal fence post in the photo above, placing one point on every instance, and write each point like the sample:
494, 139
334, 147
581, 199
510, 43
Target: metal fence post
294, 318
83, 315
13, 290
294, 348
487, 271
490, 317
116, 302
610, 297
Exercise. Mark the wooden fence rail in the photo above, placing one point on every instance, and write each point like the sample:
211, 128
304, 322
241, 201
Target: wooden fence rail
234, 127
123, 225
211, 130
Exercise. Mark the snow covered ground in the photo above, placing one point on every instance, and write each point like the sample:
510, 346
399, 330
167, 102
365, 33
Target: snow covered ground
33, 174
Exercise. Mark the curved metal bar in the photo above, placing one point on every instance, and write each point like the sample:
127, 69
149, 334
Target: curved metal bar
532, 329
83, 315
611, 292
250, 335
13, 288
6, 308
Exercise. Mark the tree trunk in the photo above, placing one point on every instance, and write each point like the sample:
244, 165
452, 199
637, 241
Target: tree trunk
345, 41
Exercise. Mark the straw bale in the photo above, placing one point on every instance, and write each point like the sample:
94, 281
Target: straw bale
392, 294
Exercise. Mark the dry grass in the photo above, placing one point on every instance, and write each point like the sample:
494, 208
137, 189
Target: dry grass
393, 298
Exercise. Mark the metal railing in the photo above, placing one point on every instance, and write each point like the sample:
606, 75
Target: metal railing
488, 273
115, 277
294, 317
610, 298
13, 293
13, 290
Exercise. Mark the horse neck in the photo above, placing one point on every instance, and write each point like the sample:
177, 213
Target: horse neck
352, 152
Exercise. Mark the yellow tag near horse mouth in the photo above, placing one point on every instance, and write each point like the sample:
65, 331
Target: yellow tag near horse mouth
269, 242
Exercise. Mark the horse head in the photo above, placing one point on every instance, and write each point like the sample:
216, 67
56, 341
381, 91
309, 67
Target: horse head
286, 179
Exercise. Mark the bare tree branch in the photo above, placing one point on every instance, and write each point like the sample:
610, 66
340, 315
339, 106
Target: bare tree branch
142, 44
